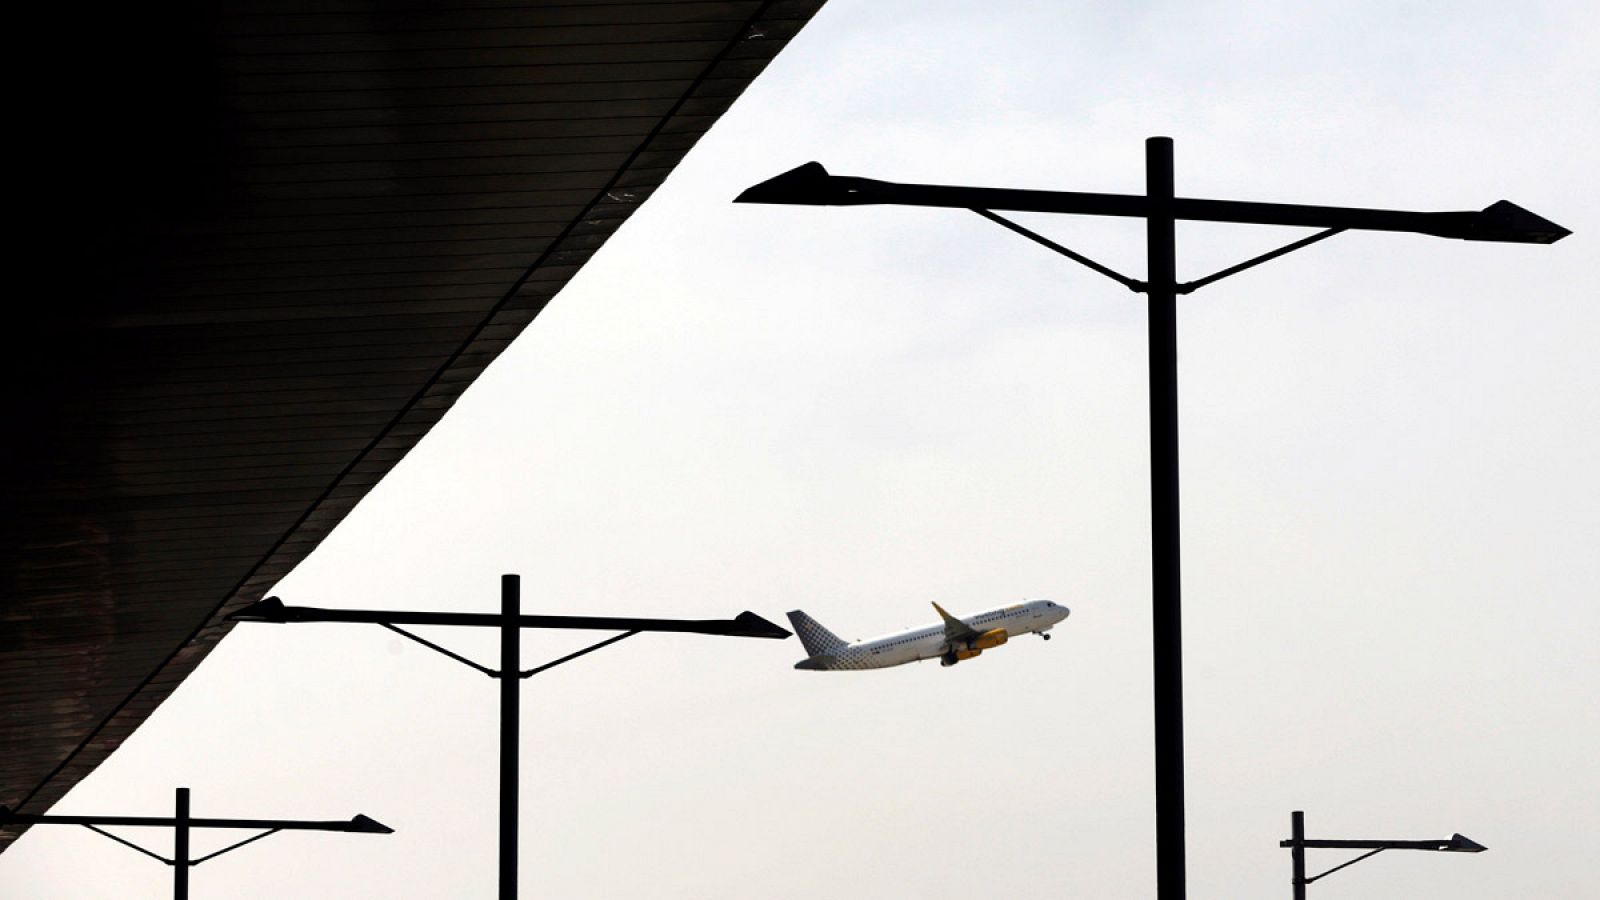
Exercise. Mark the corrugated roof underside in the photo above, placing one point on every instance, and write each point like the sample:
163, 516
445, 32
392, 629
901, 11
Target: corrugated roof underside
385, 196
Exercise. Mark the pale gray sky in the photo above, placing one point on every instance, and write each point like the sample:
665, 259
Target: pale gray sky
1390, 500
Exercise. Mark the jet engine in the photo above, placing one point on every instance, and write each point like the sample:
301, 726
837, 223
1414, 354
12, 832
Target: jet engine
989, 640
957, 654
986, 641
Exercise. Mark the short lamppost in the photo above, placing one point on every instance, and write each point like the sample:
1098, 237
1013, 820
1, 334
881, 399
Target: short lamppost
510, 621
812, 185
181, 822
1298, 843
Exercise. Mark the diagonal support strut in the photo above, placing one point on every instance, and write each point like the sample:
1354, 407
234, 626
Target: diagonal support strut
1131, 284
572, 656
1190, 287
1345, 865
127, 843
248, 840
432, 646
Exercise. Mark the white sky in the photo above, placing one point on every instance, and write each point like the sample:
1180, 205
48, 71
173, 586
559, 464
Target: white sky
1390, 500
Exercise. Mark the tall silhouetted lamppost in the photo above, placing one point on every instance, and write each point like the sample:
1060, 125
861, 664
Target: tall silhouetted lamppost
510, 621
811, 185
1298, 845
181, 822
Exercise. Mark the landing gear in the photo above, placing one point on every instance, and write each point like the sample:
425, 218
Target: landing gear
1045, 635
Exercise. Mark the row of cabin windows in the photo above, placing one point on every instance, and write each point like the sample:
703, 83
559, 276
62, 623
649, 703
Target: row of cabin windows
983, 619
991, 617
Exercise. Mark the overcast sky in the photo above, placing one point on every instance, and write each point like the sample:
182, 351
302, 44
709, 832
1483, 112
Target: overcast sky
1390, 500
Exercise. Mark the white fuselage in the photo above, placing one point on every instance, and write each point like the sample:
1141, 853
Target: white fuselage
931, 642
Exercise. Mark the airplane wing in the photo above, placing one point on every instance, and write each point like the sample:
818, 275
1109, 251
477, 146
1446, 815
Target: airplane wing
954, 628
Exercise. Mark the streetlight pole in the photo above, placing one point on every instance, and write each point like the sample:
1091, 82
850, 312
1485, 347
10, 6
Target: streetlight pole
180, 846
1297, 852
510, 621
1297, 844
1166, 612
812, 185
182, 823
510, 729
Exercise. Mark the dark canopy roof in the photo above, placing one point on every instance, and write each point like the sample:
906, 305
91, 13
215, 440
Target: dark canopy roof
272, 242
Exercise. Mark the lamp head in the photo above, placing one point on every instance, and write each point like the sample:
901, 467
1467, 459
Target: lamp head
364, 825
806, 186
268, 610
1505, 221
811, 185
1460, 843
748, 624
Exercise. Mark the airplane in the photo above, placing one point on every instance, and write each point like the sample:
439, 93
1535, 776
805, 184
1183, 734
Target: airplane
950, 641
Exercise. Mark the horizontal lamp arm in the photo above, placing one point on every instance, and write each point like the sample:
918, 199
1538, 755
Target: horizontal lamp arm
812, 185
1463, 225
356, 824
746, 624
1446, 844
